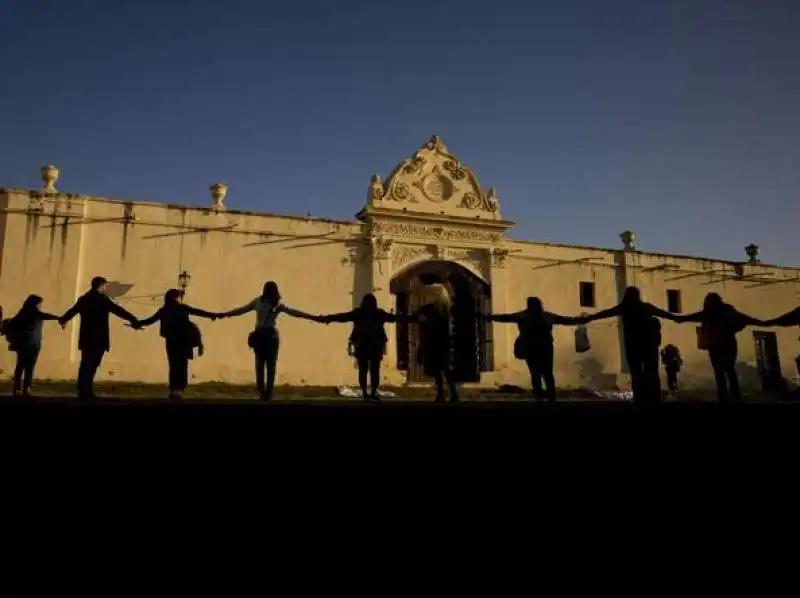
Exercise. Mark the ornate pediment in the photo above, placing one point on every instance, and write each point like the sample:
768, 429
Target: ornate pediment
433, 181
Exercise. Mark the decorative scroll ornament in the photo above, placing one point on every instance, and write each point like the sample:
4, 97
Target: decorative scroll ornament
472, 201
455, 169
401, 192
414, 165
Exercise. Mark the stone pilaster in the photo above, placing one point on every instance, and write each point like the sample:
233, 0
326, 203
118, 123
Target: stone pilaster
499, 279
381, 258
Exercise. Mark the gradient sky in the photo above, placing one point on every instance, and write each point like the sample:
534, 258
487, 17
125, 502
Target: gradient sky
676, 119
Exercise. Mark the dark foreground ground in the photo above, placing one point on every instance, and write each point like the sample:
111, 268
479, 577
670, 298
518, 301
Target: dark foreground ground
116, 489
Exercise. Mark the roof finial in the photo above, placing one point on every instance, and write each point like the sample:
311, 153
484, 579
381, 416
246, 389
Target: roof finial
435, 144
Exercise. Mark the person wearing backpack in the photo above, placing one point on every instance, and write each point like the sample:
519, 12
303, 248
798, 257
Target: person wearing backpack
24, 335
181, 337
534, 345
368, 340
720, 322
264, 340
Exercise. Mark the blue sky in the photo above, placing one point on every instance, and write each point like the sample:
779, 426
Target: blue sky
677, 119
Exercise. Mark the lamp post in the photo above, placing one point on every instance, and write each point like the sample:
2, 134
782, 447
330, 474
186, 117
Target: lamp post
183, 281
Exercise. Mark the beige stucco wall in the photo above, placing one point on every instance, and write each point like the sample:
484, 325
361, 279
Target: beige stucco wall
314, 262
553, 272
430, 208
323, 266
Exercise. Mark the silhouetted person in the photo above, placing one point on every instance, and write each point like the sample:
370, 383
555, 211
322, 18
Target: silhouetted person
94, 339
671, 358
435, 339
642, 338
720, 322
265, 340
24, 335
535, 343
180, 335
368, 340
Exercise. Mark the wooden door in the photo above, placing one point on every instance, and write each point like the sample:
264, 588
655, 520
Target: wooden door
768, 361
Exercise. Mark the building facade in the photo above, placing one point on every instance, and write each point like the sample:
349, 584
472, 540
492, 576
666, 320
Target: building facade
429, 216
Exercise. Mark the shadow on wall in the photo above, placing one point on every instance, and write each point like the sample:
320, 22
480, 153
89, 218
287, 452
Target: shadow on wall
592, 375
116, 289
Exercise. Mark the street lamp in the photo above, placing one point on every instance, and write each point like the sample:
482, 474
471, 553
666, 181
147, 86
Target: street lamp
183, 281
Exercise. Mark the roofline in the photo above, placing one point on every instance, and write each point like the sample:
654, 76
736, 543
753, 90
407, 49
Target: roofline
653, 254
357, 223
173, 206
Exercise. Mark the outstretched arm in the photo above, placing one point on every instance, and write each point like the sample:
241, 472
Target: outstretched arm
791, 318
239, 310
696, 317
200, 313
296, 313
749, 320
71, 312
565, 320
152, 319
601, 315
46, 316
393, 318
121, 312
346, 316
505, 318
660, 313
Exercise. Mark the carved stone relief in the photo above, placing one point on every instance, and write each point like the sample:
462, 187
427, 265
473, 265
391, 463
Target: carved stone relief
433, 175
499, 257
381, 248
431, 231
405, 254
475, 259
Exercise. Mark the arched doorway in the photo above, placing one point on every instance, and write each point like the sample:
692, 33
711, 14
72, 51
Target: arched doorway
472, 346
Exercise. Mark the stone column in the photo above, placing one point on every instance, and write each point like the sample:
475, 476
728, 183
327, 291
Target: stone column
501, 334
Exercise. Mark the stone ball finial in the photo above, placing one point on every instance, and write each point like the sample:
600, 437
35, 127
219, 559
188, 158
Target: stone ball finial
218, 193
628, 240
752, 253
50, 176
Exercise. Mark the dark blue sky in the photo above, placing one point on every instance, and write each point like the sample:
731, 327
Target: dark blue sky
677, 119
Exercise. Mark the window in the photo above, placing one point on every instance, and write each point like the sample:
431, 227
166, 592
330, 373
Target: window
674, 301
587, 294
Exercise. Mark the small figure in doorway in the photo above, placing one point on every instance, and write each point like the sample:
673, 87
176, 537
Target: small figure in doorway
671, 358
436, 334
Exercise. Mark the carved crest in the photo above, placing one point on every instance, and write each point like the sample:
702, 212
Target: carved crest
436, 182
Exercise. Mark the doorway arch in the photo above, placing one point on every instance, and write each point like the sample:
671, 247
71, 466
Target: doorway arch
472, 336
